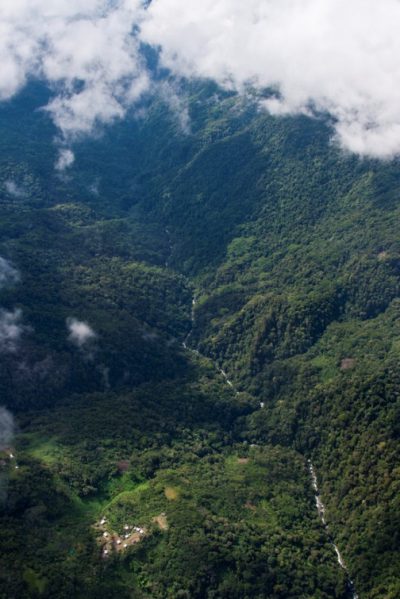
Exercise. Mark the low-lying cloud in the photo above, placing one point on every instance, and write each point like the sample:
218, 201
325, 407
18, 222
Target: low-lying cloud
86, 51
11, 330
6, 438
14, 190
65, 159
8, 274
80, 333
11, 326
6, 428
333, 56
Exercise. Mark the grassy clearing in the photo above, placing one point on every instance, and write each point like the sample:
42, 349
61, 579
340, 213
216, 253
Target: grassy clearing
46, 450
171, 493
327, 367
129, 496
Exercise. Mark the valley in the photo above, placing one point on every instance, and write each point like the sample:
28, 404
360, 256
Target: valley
235, 296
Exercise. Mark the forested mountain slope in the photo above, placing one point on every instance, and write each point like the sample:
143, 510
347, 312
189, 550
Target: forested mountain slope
300, 307
291, 251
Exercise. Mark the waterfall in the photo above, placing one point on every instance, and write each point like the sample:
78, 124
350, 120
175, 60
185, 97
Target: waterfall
321, 512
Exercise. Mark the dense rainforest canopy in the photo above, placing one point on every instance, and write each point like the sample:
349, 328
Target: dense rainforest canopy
235, 293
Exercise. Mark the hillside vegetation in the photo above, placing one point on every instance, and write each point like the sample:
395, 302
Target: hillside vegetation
291, 251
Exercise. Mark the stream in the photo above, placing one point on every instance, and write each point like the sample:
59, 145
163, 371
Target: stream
318, 501
185, 345
321, 512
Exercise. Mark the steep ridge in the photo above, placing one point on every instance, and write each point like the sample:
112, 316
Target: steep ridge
295, 297
318, 501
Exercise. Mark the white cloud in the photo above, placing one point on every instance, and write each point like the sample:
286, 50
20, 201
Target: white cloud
339, 56
65, 159
178, 104
6, 428
80, 332
85, 50
8, 274
15, 190
11, 327
11, 330
94, 188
